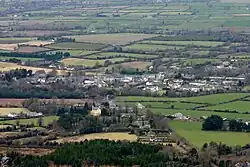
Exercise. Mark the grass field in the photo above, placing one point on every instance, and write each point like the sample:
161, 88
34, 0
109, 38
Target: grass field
185, 43
136, 64
46, 120
198, 114
117, 39
77, 53
6, 111
109, 136
148, 47
240, 106
5, 66
117, 54
192, 132
30, 49
210, 99
199, 61
88, 62
176, 105
75, 46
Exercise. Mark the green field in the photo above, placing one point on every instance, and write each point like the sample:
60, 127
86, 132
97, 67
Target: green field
20, 58
117, 54
199, 61
209, 99
192, 132
147, 47
198, 114
166, 105
88, 62
77, 46
185, 43
46, 120
239, 106
77, 53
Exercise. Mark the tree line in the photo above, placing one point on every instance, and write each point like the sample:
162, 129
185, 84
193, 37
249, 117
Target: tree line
216, 122
46, 56
103, 152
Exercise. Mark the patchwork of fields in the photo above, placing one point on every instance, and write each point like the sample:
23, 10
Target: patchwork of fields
230, 106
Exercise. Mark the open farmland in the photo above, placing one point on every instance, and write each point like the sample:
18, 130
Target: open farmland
46, 120
239, 106
5, 66
5, 58
117, 54
6, 111
11, 102
192, 132
198, 113
77, 53
136, 64
88, 62
148, 47
110, 136
14, 40
116, 39
37, 43
29, 49
184, 43
77, 46
209, 99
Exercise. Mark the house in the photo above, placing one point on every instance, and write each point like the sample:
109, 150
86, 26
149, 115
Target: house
96, 111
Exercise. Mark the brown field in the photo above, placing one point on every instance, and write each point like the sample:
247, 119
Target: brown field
27, 151
31, 49
235, 1
6, 134
5, 66
136, 64
109, 136
37, 43
11, 102
37, 33
6, 111
9, 47
117, 39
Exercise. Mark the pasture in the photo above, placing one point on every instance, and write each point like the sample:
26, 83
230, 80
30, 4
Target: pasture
110, 136
46, 120
208, 99
77, 46
185, 43
153, 48
192, 132
198, 114
31, 49
6, 111
5, 66
88, 62
114, 39
239, 106
77, 53
117, 54
136, 65
14, 40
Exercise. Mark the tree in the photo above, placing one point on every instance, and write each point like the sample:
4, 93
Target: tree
40, 122
213, 122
